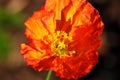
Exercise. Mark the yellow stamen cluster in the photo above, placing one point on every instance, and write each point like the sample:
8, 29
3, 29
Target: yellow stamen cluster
60, 44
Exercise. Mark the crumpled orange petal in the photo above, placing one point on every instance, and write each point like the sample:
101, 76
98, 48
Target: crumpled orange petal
71, 23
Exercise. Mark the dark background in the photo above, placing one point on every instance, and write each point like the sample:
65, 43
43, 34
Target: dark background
13, 14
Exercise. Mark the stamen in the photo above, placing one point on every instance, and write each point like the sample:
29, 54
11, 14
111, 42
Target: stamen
59, 47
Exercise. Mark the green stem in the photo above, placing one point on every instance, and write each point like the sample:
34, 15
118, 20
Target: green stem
48, 75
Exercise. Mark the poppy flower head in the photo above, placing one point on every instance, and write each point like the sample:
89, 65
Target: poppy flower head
63, 37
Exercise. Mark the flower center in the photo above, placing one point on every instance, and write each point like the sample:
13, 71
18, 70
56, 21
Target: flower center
59, 46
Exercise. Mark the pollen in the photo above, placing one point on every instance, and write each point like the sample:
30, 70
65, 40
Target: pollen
59, 46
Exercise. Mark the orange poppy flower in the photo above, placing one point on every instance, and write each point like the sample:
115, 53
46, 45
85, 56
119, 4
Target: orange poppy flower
63, 37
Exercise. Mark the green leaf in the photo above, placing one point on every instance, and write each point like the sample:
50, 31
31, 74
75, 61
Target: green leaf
4, 44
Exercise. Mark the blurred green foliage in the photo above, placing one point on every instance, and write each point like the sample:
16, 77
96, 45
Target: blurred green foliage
4, 44
14, 20
8, 22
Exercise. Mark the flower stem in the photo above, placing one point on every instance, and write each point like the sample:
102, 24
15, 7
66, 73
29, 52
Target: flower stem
48, 75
